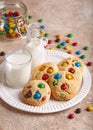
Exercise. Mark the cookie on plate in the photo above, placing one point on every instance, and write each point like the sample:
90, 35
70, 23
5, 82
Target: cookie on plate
44, 71
71, 61
36, 92
65, 84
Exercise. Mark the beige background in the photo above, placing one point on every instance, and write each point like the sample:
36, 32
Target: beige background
60, 16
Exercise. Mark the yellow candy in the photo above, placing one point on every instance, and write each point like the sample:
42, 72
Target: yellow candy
41, 31
11, 31
64, 64
90, 108
50, 70
66, 47
41, 35
69, 76
52, 48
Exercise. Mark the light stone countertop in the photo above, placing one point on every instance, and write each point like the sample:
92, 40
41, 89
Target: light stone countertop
60, 16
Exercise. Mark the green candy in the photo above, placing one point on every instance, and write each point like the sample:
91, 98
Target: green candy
59, 46
46, 34
63, 96
86, 48
37, 75
40, 20
70, 35
30, 17
41, 85
83, 57
55, 82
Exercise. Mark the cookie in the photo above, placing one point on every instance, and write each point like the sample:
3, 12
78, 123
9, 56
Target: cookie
36, 93
44, 71
71, 61
65, 84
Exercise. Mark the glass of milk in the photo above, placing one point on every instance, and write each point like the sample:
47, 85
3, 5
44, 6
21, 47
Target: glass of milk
18, 68
35, 46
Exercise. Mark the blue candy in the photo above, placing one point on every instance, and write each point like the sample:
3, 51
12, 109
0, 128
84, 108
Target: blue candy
63, 43
37, 95
42, 27
78, 52
57, 76
77, 64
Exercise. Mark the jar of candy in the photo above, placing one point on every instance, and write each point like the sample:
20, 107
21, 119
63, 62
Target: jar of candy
13, 20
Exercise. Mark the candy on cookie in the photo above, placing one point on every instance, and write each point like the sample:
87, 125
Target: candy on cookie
43, 71
36, 93
71, 61
65, 84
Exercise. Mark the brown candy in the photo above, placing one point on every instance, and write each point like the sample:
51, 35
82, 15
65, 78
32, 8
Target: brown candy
28, 94
78, 110
2, 53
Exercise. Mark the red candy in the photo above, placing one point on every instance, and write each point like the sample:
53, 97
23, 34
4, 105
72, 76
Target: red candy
50, 41
64, 86
89, 63
71, 116
71, 70
45, 76
75, 43
43, 98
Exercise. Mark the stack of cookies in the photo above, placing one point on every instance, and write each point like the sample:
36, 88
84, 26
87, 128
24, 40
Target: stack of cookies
62, 81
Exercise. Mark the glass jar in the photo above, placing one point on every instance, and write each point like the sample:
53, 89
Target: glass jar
35, 46
13, 20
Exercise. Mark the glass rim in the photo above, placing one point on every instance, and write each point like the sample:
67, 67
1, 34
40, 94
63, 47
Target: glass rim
18, 52
17, 4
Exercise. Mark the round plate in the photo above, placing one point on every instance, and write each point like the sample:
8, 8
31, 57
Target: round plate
12, 96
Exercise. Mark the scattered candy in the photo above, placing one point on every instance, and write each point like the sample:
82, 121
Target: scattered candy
83, 57
63, 43
90, 108
50, 41
86, 48
63, 96
71, 116
70, 35
40, 20
70, 51
75, 43
46, 34
68, 40
57, 40
78, 52
30, 17
59, 46
59, 36
42, 27
78, 110
67, 47
89, 63
2, 53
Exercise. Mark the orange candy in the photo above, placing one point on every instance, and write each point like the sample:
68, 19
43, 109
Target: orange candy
59, 36
69, 40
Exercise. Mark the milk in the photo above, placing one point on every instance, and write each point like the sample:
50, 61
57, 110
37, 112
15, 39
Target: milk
18, 69
37, 50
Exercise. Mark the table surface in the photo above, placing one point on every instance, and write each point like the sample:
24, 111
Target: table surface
60, 16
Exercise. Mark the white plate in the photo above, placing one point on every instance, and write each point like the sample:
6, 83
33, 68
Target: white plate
11, 96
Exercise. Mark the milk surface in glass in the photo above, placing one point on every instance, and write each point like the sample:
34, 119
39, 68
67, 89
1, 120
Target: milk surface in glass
18, 69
